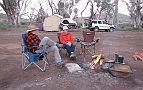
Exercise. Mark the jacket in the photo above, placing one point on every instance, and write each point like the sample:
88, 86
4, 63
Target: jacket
66, 38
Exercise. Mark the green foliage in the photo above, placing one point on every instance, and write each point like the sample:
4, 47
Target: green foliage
6, 26
130, 29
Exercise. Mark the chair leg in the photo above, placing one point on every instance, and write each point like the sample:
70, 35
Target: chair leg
27, 66
84, 53
94, 49
47, 61
38, 66
24, 58
81, 51
24, 66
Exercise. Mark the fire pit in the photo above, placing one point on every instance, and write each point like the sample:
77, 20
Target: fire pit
116, 67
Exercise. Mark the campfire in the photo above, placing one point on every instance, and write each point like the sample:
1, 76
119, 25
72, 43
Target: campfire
115, 67
95, 60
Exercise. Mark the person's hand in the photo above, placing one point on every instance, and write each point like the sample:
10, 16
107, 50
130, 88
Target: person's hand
69, 43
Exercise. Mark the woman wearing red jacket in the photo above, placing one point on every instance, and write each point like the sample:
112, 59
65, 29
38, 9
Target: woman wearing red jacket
67, 40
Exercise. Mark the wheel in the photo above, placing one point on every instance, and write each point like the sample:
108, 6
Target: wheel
91, 29
106, 30
111, 29
96, 29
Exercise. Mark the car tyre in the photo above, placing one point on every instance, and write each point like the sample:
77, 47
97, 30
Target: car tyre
111, 29
96, 29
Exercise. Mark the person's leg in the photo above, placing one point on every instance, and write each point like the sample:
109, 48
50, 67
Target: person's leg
57, 56
67, 47
72, 51
72, 48
50, 46
47, 42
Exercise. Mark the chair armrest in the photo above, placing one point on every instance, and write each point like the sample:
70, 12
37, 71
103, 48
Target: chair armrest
38, 47
78, 40
30, 46
96, 40
59, 45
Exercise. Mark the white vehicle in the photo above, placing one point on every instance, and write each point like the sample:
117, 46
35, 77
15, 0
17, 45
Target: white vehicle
97, 25
71, 24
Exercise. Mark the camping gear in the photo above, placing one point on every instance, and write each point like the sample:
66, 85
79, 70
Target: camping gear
119, 58
40, 26
117, 67
87, 42
51, 23
29, 58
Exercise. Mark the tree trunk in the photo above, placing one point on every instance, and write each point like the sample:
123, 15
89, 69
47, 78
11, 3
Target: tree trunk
115, 22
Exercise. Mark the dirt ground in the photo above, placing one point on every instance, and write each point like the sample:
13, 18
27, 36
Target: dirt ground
12, 77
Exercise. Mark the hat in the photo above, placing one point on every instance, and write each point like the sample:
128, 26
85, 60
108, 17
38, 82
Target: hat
65, 28
32, 28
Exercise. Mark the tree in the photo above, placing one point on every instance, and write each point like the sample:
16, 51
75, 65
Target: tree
41, 14
67, 7
134, 7
115, 20
9, 6
14, 9
142, 21
106, 7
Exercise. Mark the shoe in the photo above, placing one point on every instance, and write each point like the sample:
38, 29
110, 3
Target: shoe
60, 65
72, 56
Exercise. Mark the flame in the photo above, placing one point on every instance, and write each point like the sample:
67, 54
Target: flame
101, 61
95, 61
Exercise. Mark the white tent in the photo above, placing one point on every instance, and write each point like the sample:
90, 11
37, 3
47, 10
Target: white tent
51, 23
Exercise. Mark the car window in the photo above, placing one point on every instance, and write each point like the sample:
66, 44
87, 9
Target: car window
66, 22
99, 22
104, 22
95, 22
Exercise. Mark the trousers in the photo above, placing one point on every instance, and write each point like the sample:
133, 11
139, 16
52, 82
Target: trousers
69, 48
50, 46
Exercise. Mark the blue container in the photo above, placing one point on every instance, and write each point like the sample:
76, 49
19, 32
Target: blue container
40, 26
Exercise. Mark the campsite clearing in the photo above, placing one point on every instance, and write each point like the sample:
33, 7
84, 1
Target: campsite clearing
12, 76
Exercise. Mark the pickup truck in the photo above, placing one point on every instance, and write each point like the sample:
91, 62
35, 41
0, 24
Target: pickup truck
97, 25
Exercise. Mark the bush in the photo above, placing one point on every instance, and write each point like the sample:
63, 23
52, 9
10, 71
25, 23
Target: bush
6, 26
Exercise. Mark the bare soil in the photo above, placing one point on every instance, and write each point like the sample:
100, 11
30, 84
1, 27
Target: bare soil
12, 77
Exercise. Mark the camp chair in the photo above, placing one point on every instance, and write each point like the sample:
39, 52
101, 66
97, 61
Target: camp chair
88, 41
29, 59
59, 44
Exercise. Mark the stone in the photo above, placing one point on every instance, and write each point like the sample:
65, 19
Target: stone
73, 67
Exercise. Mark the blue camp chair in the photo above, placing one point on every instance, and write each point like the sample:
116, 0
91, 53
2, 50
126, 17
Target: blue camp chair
29, 59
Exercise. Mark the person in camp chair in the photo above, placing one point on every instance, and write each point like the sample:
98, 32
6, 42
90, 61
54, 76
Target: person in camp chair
45, 44
67, 40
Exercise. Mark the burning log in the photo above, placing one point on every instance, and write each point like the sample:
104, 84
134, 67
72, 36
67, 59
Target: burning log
96, 59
